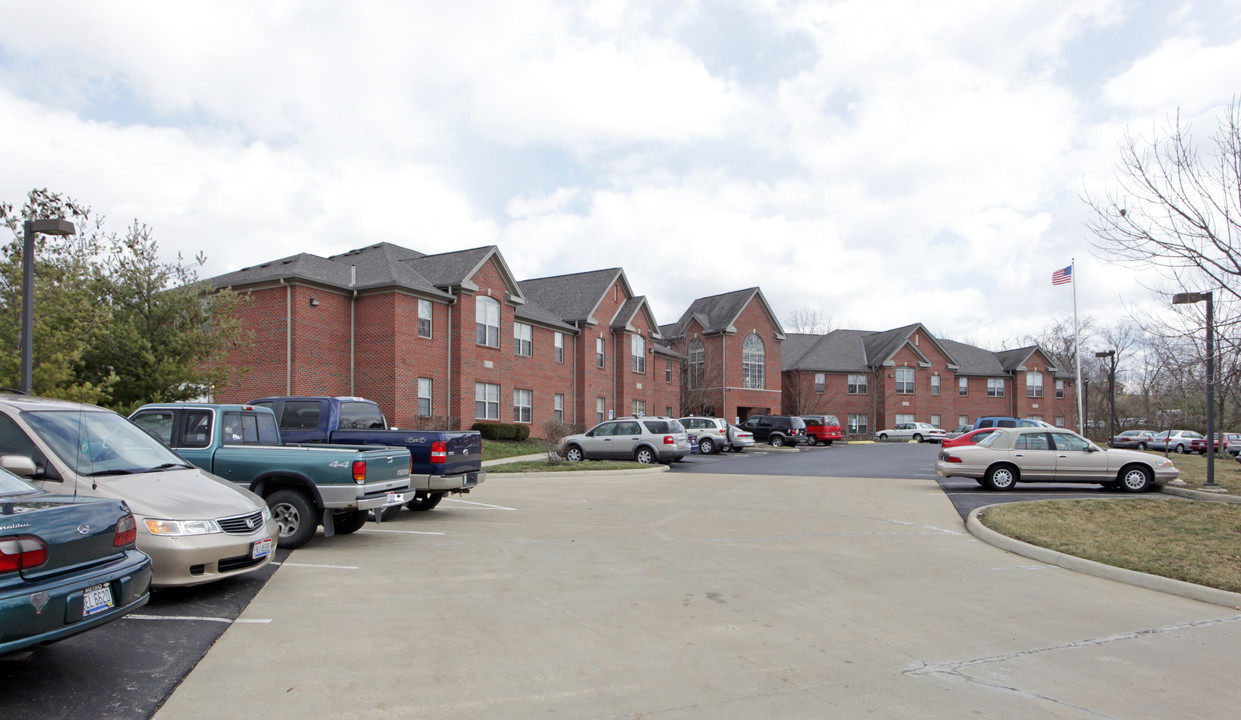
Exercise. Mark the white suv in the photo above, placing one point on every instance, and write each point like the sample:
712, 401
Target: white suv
646, 440
709, 434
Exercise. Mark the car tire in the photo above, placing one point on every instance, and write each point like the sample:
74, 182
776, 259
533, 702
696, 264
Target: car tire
776, 440
573, 453
738, 449
1001, 477
917, 438
1180, 448
424, 501
350, 522
1141, 446
644, 455
295, 516
883, 437
827, 443
1135, 479
812, 441
706, 447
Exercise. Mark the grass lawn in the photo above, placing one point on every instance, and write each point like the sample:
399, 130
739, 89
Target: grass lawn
1193, 469
526, 466
496, 449
1192, 540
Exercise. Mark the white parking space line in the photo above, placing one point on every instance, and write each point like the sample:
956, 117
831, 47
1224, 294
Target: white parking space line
195, 618
402, 532
312, 565
483, 506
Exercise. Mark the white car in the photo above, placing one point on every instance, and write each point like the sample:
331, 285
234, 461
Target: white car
919, 431
1013, 455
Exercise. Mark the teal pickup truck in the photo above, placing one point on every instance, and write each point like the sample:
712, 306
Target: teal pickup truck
305, 486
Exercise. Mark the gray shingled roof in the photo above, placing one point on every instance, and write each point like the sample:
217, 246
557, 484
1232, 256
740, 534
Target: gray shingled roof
572, 298
717, 313
837, 351
451, 268
974, 360
373, 266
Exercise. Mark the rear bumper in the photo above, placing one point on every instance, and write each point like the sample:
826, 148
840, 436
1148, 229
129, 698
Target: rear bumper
448, 483
361, 497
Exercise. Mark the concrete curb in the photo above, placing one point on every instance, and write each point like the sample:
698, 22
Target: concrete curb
515, 458
1090, 567
580, 473
1187, 492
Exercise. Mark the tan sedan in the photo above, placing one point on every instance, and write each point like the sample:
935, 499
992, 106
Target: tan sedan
1015, 455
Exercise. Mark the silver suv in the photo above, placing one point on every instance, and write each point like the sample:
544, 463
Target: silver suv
646, 440
709, 434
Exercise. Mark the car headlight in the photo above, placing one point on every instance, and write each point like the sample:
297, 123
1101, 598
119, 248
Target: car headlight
180, 527
266, 513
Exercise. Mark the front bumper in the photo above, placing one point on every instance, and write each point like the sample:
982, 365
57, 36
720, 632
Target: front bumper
196, 559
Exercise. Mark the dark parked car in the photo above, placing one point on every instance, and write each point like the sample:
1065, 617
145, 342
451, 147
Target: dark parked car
67, 564
778, 430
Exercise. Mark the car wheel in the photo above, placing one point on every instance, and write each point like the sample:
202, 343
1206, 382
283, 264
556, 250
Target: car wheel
827, 442
1136, 479
424, 501
706, 447
1180, 449
1141, 446
349, 522
812, 441
295, 515
917, 438
776, 441
883, 436
645, 455
738, 449
573, 453
1001, 477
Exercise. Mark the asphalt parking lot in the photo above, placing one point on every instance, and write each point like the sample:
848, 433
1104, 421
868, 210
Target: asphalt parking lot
766, 584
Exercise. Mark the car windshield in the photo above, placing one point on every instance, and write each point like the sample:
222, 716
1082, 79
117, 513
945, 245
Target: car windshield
11, 485
100, 443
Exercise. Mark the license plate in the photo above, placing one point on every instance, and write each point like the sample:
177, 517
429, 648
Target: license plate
394, 499
260, 548
96, 599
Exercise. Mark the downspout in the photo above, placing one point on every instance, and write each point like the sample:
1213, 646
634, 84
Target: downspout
448, 337
724, 376
615, 409
288, 337
353, 304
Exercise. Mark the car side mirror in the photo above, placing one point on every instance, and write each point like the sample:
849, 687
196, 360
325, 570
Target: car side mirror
19, 465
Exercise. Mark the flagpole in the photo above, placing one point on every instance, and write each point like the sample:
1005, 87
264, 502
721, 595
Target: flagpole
1077, 350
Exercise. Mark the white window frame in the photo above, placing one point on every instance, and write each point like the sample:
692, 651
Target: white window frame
601, 411
1034, 384
558, 407
424, 318
601, 352
425, 387
934, 386
1059, 388
857, 385
902, 418
523, 339
486, 401
963, 387
820, 383
523, 405
753, 362
639, 408
697, 363
995, 387
859, 425
487, 322
904, 381
637, 345
559, 344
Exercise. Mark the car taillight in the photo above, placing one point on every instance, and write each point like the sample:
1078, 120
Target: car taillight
359, 471
949, 458
21, 552
669, 440
126, 532
439, 451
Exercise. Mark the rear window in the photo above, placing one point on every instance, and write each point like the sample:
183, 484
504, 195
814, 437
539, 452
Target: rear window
797, 422
657, 426
361, 416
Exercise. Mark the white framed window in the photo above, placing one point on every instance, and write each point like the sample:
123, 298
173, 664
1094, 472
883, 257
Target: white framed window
857, 386
1035, 417
667, 371
424, 397
486, 401
638, 351
600, 410
1060, 421
697, 364
858, 425
1034, 384
963, 419
995, 387
904, 418
523, 401
639, 408
753, 362
599, 353
820, 383
424, 318
1059, 388
963, 386
487, 322
905, 382
934, 386
558, 339
935, 419
523, 339
558, 407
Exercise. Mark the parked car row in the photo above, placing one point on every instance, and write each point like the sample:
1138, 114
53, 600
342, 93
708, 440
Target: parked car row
1178, 441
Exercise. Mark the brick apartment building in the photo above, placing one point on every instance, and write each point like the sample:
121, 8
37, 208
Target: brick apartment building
731, 346
452, 336
872, 380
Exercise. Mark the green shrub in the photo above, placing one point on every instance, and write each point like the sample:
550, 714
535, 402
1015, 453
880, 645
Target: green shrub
502, 431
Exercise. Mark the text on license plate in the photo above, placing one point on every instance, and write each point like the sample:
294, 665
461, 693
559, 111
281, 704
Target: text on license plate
96, 598
260, 549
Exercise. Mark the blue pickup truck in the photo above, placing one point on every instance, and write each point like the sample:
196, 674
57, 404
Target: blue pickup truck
443, 461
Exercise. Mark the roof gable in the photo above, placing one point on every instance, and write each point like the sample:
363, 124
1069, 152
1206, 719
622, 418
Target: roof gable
575, 298
717, 314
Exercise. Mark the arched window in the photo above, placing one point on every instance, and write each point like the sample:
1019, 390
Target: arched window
487, 321
695, 363
753, 361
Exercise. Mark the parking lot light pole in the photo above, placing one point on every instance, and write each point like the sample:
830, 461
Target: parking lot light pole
1111, 390
1189, 299
30, 228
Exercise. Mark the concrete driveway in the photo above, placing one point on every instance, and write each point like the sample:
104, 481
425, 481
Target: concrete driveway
704, 596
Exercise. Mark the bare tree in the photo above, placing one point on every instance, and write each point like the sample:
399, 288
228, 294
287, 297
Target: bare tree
811, 321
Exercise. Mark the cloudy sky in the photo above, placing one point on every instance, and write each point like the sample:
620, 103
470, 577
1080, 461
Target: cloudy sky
880, 161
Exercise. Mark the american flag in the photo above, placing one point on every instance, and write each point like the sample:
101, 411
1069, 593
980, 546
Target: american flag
1063, 276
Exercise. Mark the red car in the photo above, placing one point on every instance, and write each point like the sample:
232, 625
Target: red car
1224, 442
970, 438
821, 429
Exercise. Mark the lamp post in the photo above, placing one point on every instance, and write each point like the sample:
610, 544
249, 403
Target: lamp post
1189, 299
30, 228
1111, 389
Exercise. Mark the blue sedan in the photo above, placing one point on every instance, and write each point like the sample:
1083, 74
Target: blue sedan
66, 564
